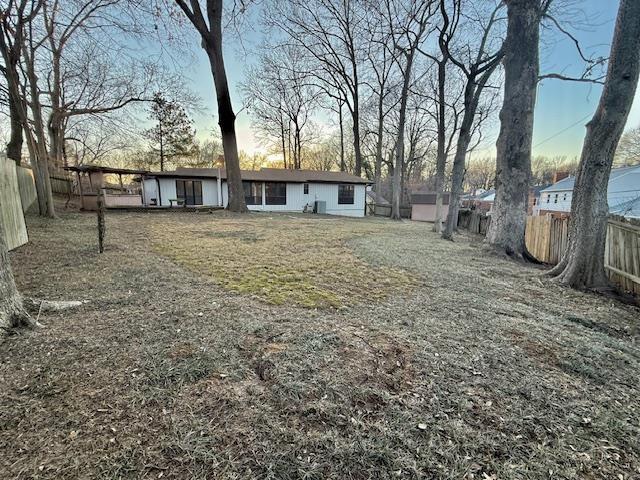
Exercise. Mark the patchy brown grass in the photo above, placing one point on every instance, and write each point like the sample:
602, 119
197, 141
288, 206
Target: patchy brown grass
282, 259
479, 369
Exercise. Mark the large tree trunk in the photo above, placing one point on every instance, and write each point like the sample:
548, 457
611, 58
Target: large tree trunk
582, 265
441, 159
14, 146
521, 65
226, 116
12, 312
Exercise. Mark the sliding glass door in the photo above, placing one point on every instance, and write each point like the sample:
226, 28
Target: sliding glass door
189, 192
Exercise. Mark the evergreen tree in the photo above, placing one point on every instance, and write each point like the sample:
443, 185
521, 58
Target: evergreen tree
173, 135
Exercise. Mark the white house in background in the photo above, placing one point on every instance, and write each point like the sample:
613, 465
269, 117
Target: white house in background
268, 189
623, 194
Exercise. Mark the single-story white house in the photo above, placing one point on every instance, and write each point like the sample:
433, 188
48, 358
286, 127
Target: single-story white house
268, 189
623, 194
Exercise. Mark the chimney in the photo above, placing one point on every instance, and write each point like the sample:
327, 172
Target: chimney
557, 176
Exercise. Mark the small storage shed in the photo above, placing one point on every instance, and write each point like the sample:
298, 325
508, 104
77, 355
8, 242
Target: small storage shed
423, 206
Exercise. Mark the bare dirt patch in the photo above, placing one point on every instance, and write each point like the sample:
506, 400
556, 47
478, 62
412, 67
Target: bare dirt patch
476, 368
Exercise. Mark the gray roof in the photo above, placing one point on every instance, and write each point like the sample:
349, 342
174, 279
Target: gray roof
267, 175
566, 184
630, 208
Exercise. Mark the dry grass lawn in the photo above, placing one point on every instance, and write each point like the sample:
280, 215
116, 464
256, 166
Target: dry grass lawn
289, 346
282, 259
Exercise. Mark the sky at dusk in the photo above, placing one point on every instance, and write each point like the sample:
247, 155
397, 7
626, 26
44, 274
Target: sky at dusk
562, 110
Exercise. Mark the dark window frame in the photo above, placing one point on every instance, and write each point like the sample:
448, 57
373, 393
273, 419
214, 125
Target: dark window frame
305, 189
189, 192
252, 199
270, 198
346, 194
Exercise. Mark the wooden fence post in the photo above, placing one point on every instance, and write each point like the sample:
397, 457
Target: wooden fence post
101, 223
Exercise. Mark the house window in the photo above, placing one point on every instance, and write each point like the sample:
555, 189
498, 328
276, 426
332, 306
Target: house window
345, 194
555, 198
189, 192
535, 202
564, 197
275, 193
548, 197
306, 189
252, 192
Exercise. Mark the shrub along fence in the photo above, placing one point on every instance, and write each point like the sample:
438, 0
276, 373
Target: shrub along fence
546, 239
11, 215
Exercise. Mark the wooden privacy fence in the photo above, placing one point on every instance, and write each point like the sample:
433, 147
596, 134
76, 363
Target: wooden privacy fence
61, 184
27, 187
11, 215
385, 211
622, 253
474, 221
547, 237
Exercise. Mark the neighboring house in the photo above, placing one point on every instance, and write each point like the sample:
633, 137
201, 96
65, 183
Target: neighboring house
423, 206
484, 201
268, 189
623, 194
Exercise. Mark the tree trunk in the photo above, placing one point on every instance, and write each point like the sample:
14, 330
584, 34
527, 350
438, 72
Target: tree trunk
12, 312
355, 115
379, 142
226, 116
341, 122
397, 171
457, 174
521, 65
14, 146
441, 158
582, 265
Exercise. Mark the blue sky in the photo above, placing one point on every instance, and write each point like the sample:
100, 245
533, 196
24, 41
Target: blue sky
560, 104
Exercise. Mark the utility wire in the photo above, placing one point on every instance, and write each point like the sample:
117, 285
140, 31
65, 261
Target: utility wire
563, 130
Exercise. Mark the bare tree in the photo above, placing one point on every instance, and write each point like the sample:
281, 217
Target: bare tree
16, 45
521, 65
210, 29
409, 22
282, 102
628, 151
446, 33
330, 33
478, 70
582, 265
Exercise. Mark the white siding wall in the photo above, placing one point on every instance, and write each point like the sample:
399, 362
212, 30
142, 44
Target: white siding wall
549, 201
168, 191
296, 199
210, 192
150, 189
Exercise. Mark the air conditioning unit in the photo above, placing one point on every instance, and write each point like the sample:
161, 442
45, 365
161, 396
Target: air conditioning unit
320, 207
